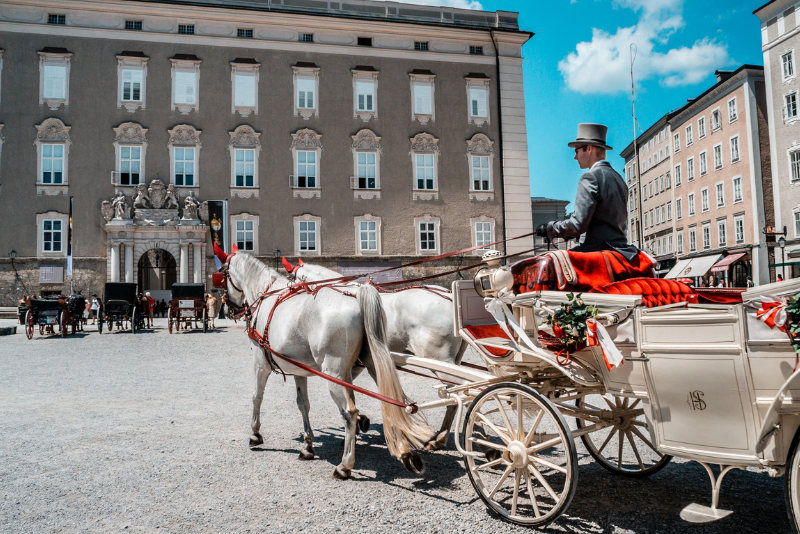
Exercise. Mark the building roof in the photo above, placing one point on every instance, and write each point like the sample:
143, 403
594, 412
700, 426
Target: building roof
765, 5
371, 10
545, 200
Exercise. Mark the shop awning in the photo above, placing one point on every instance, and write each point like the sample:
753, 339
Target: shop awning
678, 268
696, 267
727, 261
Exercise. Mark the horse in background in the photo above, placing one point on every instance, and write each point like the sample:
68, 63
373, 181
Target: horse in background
326, 331
419, 322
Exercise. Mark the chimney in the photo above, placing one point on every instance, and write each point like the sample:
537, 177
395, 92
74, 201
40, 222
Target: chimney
722, 75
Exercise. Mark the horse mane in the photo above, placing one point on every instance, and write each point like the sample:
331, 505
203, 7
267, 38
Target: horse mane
256, 276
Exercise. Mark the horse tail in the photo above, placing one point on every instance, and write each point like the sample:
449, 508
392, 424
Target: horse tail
403, 434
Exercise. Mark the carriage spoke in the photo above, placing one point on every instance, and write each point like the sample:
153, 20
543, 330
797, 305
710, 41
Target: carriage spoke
603, 446
516, 492
629, 435
500, 482
489, 444
548, 464
614, 407
543, 482
504, 414
488, 464
534, 502
544, 445
647, 441
535, 425
491, 425
635, 404
621, 445
520, 430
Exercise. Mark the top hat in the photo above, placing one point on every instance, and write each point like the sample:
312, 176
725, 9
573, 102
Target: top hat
591, 134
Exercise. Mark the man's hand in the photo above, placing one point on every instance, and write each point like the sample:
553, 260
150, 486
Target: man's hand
541, 230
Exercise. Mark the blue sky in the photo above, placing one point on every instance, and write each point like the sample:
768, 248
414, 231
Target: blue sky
577, 68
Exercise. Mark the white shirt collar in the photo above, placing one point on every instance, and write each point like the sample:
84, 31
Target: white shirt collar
598, 163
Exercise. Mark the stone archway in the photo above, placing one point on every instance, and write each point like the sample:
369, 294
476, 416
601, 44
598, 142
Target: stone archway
157, 272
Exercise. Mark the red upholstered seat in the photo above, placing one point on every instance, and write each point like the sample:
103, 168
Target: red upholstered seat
490, 330
654, 291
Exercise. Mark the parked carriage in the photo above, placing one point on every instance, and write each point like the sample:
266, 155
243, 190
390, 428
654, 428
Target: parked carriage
120, 308
55, 314
187, 307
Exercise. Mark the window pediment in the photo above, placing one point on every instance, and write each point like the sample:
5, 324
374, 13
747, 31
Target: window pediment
184, 135
424, 142
130, 133
306, 138
53, 131
366, 140
480, 145
244, 136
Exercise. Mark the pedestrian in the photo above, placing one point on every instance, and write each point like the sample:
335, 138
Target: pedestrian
87, 311
149, 309
211, 302
750, 282
721, 282
780, 278
222, 308
95, 307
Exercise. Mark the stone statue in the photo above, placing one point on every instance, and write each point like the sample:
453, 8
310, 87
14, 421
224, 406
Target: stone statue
171, 199
106, 210
119, 205
157, 194
140, 197
203, 211
190, 205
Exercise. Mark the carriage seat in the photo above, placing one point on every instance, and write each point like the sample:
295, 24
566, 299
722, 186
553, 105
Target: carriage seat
566, 270
476, 332
660, 292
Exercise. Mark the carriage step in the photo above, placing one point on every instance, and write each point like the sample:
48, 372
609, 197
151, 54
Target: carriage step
697, 513
8, 331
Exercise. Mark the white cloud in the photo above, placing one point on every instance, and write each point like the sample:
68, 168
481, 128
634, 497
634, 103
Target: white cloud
463, 4
602, 65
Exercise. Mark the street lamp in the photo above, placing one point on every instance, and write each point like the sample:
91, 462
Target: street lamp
277, 254
782, 244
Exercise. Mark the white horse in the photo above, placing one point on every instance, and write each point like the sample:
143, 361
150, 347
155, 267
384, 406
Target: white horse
419, 322
327, 332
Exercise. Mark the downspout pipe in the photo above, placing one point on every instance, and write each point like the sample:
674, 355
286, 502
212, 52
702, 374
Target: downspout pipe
500, 143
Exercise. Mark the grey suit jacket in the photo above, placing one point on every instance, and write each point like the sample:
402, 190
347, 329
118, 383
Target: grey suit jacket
601, 212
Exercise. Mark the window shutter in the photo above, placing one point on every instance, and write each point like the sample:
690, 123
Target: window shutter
245, 86
184, 88
478, 101
422, 99
55, 77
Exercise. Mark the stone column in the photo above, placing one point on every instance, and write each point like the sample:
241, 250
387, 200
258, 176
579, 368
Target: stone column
184, 274
115, 262
129, 262
197, 264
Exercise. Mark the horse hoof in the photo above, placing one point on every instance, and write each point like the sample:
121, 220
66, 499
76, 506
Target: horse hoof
413, 463
341, 473
306, 455
438, 442
256, 440
363, 423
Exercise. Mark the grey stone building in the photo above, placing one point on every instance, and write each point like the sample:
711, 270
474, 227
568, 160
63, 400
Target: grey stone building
544, 210
361, 132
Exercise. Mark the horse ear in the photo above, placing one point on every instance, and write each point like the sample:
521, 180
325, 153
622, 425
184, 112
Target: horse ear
220, 253
300, 261
287, 265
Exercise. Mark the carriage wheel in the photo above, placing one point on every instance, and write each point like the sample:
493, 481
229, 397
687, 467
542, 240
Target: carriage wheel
169, 321
532, 476
624, 447
205, 321
792, 484
133, 321
29, 324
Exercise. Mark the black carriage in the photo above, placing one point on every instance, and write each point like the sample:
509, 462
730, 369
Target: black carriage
187, 307
120, 308
53, 313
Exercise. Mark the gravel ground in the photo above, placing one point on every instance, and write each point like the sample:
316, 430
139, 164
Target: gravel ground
149, 432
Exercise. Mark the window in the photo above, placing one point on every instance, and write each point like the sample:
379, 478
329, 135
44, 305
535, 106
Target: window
680, 242
704, 199
722, 233
54, 68
244, 163
716, 120
720, 194
366, 170
678, 208
185, 83
246, 33
706, 236
477, 102
790, 106
366, 151
132, 75
184, 155
703, 163
701, 127
187, 29
305, 93
483, 234
183, 167
690, 169
645, 220
56, 19
689, 139
663, 182
737, 189
797, 223
133, 24
733, 113
307, 231
738, 226
676, 142
306, 89
481, 180
677, 175
424, 171
420, 45
651, 190
306, 169
794, 164
306, 38
368, 236
52, 163
663, 212
422, 91
476, 50
717, 157
692, 240
131, 85
423, 99
690, 201
130, 164
245, 236
669, 211
734, 149
130, 144
52, 146
244, 86
52, 235
365, 94
787, 60
427, 236
365, 41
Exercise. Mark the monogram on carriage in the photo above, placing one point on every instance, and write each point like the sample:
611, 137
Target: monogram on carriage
582, 344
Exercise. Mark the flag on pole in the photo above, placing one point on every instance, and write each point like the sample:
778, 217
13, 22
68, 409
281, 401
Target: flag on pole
69, 240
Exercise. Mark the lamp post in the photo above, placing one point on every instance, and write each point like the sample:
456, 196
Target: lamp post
12, 255
276, 253
782, 244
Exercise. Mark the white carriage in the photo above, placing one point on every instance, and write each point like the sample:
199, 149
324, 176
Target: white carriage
706, 382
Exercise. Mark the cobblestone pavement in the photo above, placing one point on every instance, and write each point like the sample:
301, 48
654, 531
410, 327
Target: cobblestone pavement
148, 433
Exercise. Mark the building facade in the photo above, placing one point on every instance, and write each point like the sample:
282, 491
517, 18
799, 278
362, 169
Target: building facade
358, 133
544, 210
780, 39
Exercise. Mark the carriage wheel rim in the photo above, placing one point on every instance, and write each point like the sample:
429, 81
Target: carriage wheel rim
526, 464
